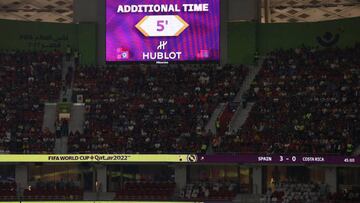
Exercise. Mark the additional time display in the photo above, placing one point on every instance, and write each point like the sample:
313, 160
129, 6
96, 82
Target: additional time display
162, 31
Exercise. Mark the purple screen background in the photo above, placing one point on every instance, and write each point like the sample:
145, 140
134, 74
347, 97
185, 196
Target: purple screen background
202, 34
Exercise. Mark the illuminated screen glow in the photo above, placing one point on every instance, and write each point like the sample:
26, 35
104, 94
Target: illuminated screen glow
162, 30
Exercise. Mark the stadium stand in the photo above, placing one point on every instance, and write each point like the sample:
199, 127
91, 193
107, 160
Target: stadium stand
164, 108
119, 101
28, 80
154, 191
306, 101
299, 192
293, 192
214, 191
7, 190
59, 190
350, 196
142, 102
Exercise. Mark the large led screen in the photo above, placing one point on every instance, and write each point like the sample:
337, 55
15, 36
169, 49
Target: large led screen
162, 30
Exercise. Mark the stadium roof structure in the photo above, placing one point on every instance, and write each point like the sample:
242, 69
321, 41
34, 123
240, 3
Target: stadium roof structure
283, 11
59, 11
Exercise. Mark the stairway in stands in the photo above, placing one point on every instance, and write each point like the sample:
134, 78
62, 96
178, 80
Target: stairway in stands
214, 116
77, 113
51, 109
224, 113
67, 90
50, 115
61, 144
77, 118
242, 113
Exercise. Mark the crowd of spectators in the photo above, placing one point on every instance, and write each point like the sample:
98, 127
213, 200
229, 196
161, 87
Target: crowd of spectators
306, 101
295, 192
7, 190
53, 190
40, 190
146, 191
150, 109
27, 81
55, 185
348, 196
201, 191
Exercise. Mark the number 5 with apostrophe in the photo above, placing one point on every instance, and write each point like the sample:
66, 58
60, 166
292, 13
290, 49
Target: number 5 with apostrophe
162, 26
